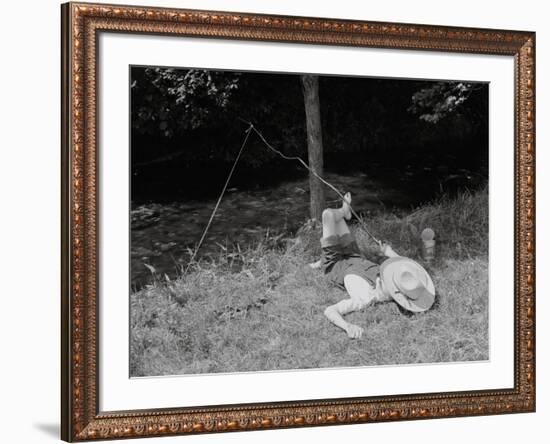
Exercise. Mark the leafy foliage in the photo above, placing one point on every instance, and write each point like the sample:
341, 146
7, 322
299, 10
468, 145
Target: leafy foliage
441, 99
189, 123
167, 101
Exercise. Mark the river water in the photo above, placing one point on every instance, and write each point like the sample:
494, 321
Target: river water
163, 235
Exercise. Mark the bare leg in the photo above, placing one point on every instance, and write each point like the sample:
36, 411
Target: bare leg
334, 223
342, 227
334, 219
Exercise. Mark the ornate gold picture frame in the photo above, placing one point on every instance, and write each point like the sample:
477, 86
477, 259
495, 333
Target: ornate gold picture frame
81, 417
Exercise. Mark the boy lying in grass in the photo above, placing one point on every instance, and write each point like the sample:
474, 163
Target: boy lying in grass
398, 278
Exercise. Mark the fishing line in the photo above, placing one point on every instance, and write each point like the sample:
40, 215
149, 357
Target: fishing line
248, 131
332, 187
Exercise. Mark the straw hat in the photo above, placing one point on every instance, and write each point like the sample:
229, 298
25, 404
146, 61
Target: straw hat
408, 283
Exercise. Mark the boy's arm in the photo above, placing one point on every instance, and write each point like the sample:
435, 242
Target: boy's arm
335, 312
387, 250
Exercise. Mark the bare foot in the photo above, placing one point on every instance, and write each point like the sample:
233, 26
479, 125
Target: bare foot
346, 209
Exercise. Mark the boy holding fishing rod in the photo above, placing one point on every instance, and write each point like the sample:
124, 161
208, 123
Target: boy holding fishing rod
397, 279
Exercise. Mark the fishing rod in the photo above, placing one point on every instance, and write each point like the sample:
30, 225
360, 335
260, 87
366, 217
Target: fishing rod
312, 171
248, 131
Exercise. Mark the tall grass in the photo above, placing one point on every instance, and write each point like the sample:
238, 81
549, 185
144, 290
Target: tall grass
261, 307
461, 225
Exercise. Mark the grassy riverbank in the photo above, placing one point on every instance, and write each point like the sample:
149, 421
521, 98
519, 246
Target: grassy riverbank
260, 307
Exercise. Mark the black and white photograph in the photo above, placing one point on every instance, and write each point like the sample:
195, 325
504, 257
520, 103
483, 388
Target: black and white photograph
278, 221
287, 221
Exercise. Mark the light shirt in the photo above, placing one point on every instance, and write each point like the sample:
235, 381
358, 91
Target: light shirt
361, 293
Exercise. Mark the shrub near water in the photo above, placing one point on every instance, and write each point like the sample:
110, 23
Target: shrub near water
262, 308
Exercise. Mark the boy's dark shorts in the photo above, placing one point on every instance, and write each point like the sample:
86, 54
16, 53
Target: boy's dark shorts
341, 256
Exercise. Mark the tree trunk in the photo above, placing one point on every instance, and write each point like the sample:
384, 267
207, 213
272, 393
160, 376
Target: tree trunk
310, 88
